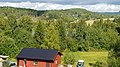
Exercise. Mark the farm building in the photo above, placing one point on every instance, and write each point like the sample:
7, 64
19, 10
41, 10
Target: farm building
35, 57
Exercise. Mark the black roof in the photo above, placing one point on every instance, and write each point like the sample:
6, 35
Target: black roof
38, 54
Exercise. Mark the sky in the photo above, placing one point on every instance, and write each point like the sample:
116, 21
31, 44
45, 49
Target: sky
91, 5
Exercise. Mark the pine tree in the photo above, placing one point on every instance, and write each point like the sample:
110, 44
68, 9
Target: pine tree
62, 34
39, 35
52, 37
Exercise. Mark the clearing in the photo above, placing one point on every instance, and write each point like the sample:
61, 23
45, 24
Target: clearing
90, 57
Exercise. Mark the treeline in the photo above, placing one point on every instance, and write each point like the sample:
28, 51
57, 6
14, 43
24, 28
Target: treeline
54, 30
114, 53
67, 14
18, 12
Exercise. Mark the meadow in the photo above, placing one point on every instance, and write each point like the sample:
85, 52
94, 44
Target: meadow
90, 57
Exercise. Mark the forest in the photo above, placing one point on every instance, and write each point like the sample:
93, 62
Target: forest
59, 29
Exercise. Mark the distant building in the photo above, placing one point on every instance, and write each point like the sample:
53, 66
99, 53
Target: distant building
34, 57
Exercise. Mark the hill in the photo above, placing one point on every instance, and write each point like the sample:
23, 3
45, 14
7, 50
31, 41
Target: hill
75, 13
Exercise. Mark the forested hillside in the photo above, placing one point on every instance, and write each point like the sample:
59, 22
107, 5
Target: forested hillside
56, 29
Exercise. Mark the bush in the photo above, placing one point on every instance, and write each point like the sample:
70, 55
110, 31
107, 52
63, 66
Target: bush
99, 64
69, 58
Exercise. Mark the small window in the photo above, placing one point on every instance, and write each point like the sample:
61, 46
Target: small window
35, 62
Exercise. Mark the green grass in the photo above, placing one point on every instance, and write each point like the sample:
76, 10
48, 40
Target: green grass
90, 57
13, 59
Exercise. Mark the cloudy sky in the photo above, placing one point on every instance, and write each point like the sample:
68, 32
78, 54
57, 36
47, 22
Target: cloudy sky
92, 5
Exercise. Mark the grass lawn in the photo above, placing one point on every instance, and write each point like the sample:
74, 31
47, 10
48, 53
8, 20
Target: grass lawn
90, 57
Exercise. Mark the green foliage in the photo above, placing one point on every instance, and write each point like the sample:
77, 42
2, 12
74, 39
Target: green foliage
117, 20
52, 37
4, 25
113, 62
5, 44
99, 64
6, 64
26, 23
69, 58
39, 35
62, 34
114, 55
90, 58
55, 29
18, 12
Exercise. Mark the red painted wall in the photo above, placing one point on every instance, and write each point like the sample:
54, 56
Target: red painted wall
30, 63
20, 62
57, 61
41, 64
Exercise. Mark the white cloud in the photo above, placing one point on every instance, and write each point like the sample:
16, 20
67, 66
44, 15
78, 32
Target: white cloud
51, 6
103, 8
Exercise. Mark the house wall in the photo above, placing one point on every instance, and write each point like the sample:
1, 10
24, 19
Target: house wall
20, 62
30, 63
56, 62
41, 64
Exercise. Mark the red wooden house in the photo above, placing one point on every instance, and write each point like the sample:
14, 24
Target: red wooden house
34, 57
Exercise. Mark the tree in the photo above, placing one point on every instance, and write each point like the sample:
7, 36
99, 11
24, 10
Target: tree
13, 25
39, 35
69, 58
23, 38
80, 36
26, 23
52, 37
99, 64
60, 24
22, 33
7, 46
117, 20
114, 55
4, 25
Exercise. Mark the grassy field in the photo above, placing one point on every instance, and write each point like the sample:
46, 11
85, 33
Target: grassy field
90, 57
90, 22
